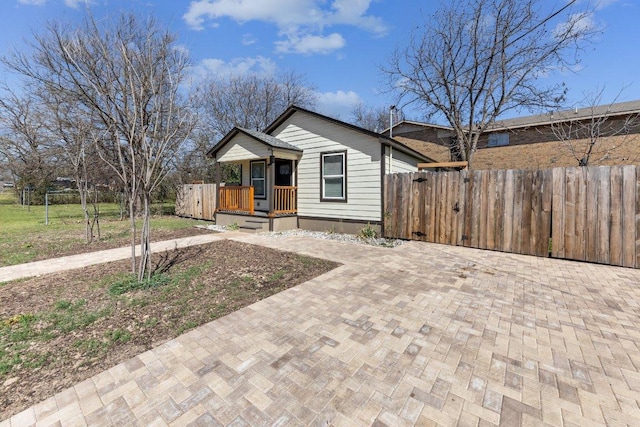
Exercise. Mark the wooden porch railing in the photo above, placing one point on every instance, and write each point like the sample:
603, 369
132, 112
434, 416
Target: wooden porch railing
240, 199
285, 199
236, 199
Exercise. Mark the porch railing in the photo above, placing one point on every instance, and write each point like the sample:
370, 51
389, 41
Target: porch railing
285, 199
240, 199
236, 199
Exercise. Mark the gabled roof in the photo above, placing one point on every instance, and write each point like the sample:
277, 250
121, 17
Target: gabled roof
261, 137
393, 142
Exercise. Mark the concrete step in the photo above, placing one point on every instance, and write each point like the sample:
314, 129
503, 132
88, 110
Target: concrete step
257, 221
250, 227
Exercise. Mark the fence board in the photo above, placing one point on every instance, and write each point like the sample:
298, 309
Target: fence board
516, 235
628, 218
616, 216
637, 221
547, 206
581, 211
592, 188
499, 210
468, 215
462, 205
476, 209
558, 208
508, 196
535, 212
454, 207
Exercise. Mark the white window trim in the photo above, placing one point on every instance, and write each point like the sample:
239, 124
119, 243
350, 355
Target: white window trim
343, 175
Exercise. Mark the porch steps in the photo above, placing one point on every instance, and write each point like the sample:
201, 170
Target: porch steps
253, 225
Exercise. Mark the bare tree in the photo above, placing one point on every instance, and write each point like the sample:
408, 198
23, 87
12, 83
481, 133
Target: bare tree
477, 59
71, 129
126, 74
27, 144
251, 101
596, 136
375, 119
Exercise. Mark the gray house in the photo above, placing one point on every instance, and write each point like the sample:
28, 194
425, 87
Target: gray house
308, 171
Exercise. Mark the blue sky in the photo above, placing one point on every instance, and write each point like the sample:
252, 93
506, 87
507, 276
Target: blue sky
337, 44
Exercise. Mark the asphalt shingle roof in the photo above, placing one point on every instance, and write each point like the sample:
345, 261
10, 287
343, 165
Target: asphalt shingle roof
269, 140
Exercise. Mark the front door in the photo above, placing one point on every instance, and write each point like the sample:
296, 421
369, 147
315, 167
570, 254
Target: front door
284, 172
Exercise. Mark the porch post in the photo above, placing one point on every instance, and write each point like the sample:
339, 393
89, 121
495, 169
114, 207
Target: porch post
271, 183
218, 179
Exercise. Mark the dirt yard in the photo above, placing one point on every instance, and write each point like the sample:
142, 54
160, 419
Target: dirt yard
60, 329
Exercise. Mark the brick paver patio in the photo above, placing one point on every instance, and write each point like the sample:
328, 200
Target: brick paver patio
421, 334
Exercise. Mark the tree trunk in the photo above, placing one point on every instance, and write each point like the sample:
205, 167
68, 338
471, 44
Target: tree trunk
145, 240
132, 218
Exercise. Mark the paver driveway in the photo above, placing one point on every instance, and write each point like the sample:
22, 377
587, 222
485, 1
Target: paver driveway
421, 334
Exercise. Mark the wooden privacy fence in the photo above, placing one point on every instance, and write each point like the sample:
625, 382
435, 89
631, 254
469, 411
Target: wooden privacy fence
584, 213
196, 201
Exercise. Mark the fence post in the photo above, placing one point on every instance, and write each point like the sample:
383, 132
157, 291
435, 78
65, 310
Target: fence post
46, 208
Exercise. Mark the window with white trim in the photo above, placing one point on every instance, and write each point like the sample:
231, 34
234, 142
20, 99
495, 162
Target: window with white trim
258, 178
333, 176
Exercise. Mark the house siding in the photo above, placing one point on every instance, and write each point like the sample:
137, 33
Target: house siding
363, 168
399, 162
243, 148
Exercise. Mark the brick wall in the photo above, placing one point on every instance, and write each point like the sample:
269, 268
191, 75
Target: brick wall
535, 148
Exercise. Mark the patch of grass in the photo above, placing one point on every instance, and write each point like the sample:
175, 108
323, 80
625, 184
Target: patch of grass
24, 236
150, 322
131, 283
63, 305
186, 326
276, 276
119, 335
64, 320
233, 226
18, 332
91, 346
307, 261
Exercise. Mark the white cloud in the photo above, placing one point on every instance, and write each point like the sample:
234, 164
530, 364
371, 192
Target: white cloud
353, 12
300, 22
248, 39
337, 104
578, 24
32, 2
217, 67
281, 12
601, 4
311, 44
75, 3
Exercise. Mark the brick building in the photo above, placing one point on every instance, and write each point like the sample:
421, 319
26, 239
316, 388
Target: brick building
535, 142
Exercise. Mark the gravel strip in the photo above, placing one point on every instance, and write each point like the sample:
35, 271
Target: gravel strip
341, 237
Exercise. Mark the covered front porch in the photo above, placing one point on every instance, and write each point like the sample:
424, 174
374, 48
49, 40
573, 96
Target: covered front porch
237, 208
267, 195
